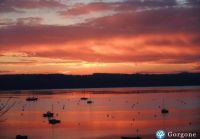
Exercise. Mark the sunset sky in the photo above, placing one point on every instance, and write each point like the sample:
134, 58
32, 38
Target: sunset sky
99, 36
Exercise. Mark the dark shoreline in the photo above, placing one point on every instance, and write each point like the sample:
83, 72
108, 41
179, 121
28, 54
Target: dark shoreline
61, 81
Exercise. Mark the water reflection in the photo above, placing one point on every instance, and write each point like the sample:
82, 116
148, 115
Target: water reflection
112, 114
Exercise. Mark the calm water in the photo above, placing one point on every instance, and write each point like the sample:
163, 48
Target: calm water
114, 113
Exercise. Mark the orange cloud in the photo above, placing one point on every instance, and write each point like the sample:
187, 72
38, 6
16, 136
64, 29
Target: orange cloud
161, 40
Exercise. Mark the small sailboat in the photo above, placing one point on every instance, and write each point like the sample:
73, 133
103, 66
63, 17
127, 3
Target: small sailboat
84, 98
164, 111
54, 121
31, 99
48, 114
21, 137
89, 102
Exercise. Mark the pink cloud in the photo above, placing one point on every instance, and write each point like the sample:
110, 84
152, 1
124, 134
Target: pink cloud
168, 36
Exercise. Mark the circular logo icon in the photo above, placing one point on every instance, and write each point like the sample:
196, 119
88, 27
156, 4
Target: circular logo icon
160, 134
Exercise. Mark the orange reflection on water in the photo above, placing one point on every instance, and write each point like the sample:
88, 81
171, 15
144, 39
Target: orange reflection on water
112, 114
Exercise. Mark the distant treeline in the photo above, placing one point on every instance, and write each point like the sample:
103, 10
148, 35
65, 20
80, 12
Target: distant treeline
98, 80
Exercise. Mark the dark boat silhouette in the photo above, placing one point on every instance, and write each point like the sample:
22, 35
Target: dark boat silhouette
54, 121
31, 99
21, 137
89, 102
164, 111
138, 137
83, 98
48, 114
